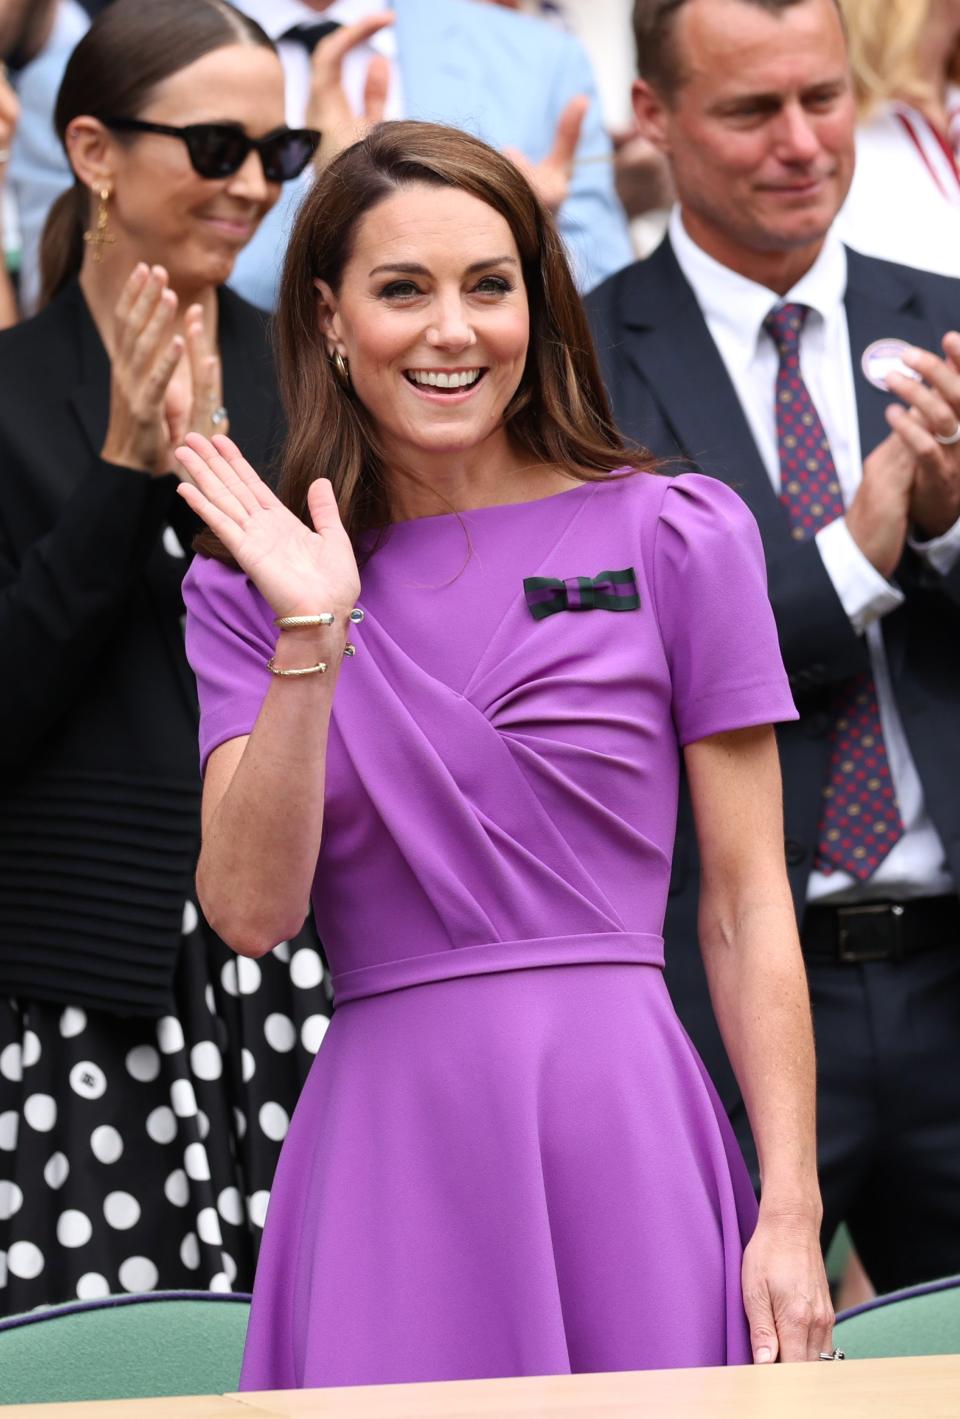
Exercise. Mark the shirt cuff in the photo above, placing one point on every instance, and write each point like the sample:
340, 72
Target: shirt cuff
864, 594
941, 552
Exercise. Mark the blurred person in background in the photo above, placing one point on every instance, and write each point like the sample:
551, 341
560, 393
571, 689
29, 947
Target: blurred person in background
517, 82
145, 1081
641, 174
521, 83
9, 113
25, 27
904, 204
37, 39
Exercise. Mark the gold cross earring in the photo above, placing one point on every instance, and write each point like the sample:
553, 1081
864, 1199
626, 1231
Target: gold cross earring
98, 238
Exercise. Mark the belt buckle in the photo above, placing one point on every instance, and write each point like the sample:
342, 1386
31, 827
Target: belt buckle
884, 925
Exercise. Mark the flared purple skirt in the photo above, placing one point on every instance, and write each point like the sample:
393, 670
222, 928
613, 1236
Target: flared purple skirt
522, 1173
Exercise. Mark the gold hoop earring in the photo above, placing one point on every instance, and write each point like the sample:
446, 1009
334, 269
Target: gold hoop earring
98, 237
341, 369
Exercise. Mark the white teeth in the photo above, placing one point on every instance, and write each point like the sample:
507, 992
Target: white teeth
458, 379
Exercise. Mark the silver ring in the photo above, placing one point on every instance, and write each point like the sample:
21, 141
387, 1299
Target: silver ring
954, 437
219, 416
834, 1355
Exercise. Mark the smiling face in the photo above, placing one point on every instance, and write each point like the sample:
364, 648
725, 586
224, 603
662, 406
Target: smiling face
760, 133
164, 212
431, 315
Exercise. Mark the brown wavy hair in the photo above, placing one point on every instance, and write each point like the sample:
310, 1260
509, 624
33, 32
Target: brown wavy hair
559, 414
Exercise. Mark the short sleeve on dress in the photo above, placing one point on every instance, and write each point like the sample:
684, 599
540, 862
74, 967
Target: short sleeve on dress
229, 639
715, 617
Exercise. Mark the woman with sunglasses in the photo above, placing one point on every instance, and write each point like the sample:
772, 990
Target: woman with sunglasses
145, 1081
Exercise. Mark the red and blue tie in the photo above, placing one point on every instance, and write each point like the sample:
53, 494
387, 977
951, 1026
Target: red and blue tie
860, 819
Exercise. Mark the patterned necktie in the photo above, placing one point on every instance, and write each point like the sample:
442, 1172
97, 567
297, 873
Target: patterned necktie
310, 35
860, 818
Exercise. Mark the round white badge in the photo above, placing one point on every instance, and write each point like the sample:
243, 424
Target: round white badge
885, 357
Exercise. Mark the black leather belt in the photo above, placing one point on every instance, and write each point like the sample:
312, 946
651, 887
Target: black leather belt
880, 931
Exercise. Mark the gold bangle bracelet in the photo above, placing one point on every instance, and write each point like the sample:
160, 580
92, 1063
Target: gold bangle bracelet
294, 623
322, 618
319, 669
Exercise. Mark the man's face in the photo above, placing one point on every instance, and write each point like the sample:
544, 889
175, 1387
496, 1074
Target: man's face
760, 134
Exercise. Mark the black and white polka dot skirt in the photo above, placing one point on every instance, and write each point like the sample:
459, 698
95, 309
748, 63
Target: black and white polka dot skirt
137, 1154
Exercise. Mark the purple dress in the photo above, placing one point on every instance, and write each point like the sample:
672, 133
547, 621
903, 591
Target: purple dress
508, 1159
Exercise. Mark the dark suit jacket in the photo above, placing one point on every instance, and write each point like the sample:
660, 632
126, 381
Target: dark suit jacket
99, 794
671, 392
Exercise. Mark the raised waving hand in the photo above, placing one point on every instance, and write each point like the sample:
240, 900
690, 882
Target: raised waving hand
299, 571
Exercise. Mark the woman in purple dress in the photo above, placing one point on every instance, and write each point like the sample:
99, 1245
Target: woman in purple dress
507, 1159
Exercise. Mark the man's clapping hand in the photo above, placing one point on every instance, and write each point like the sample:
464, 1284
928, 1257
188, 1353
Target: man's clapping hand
911, 479
932, 415
550, 178
328, 108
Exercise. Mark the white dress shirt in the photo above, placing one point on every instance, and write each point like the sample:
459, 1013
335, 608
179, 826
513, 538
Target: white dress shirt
278, 16
734, 309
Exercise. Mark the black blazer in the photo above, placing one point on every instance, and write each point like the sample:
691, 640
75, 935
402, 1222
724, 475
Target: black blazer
671, 392
99, 784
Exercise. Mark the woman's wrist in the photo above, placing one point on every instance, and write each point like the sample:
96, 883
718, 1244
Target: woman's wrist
131, 458
300, 647
800, 1207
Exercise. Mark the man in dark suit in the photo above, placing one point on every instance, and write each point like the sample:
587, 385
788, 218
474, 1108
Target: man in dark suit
737, 347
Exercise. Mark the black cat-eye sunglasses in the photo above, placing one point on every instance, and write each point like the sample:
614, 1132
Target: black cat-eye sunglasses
218, 150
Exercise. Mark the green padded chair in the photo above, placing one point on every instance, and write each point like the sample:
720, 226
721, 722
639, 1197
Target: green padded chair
124, 1347
921, 1320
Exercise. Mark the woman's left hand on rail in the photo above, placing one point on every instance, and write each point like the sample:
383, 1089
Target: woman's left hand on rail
785, 1290
299, 570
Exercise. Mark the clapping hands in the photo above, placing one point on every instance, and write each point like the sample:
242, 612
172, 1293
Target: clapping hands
930, 427
154, 402
912, 478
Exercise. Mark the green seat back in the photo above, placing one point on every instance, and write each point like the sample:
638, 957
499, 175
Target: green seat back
124, 1347
924, 1320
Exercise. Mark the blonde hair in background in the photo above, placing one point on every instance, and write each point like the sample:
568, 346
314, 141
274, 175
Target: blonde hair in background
884, 38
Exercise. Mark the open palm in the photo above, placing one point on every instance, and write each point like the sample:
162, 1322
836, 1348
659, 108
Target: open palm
298, 572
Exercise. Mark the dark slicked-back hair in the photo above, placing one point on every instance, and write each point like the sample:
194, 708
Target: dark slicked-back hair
654, 30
